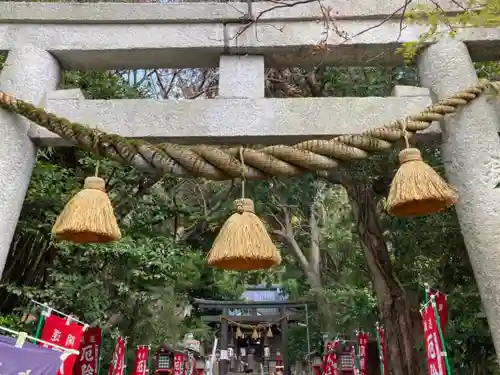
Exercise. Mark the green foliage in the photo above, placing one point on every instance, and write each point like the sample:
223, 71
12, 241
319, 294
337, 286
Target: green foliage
473, 13
9, 321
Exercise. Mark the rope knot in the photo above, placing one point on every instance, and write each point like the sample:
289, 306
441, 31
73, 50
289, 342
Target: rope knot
243, 205
410, 154
96, 183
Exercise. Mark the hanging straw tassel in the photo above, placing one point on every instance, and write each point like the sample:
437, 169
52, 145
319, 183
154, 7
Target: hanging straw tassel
243, 243
238, 332
255, 334
417, 189
269, 333
89, 216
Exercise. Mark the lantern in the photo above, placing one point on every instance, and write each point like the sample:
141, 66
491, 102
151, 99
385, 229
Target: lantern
317, 362
164, 360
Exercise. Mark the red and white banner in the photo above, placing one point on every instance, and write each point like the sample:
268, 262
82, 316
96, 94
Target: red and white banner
433, 347
178, 361
353, 360
88, 361
330, 360
116, 367
141, 360
362, 348
441, 305
61, 332
383, 350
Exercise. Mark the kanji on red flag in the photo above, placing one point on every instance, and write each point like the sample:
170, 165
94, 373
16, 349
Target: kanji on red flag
330, 360
116, 367
178, 360
383, 353
363, 346
87, 362
441, 305
141, 360
63, 333
433, 347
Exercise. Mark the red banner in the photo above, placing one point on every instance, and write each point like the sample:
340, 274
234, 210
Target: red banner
141, 360
353, 360
61, 332
178, 360
116, 367
330, 360
383, 350
87, 362
433, 348
362, 348
441, 305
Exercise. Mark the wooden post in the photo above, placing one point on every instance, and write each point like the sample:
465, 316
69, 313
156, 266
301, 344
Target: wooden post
284, 341
224, 338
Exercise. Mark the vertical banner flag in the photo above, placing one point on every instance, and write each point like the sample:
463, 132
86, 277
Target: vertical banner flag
88, 361
362, 347
178, 359
330, 360
190, 363
116, 367
63, 333
433, 347
382, 350
141, 360
355, 370
442, 306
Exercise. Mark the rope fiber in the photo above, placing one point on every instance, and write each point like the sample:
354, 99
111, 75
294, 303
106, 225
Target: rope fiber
219, 163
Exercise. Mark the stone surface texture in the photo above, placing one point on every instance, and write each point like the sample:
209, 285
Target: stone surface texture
471, 155
28, 74
114, 35
229, 120
242, 77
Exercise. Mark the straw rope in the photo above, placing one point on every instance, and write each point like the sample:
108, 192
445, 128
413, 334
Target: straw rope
256, 326
217, 163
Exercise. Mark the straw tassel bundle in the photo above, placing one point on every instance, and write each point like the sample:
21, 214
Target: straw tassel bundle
89, 216
417, 189
269, 332
255, 334
243, 243
238, 332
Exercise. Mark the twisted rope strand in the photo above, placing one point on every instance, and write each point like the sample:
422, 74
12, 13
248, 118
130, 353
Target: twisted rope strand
219, 163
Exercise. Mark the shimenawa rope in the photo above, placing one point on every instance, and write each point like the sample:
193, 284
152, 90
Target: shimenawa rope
217, 163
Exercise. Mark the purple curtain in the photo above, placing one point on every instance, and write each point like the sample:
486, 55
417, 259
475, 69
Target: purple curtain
28, 360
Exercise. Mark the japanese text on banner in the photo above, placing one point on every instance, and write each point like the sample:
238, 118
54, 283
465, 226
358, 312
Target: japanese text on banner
87, 362
362, 345
433, 347
442, 306
57, 331
116, 367
141, 360
178, 360
330, 360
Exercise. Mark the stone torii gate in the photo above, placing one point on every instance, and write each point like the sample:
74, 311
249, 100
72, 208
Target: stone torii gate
43, 38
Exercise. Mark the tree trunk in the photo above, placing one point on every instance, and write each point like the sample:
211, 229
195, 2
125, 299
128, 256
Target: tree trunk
396, 313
